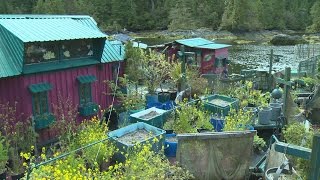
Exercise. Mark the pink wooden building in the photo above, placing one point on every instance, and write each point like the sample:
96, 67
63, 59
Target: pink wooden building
210, 57
48, 59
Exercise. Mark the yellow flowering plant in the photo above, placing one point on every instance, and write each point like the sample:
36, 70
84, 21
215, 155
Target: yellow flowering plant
89, 132
237, 120
144, 163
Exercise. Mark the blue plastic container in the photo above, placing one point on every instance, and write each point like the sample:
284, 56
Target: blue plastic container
170, 147
168, 105
151, 98
154, 104
127, 147
217, 123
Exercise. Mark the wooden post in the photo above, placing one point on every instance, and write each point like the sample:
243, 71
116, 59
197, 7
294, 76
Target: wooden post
315, 158
270, 71
287, 88
183, 67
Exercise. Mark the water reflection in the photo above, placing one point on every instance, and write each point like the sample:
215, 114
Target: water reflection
257, 56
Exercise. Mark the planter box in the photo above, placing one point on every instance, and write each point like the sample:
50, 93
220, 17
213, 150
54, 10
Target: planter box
221, 104
152, 116
125, 143
88, 109
43, 121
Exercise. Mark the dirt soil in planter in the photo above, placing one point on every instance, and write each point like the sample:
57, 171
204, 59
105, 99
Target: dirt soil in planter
172, 139
220, 102
136, 136
149, 115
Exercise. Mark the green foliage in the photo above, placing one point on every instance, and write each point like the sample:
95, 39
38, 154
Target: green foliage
189, 118
134, 63
241, 15
155, 69
132, 100
3, 153
297, 134
258, 143
50, 7
315, 10
143, 163
137, 15
237, 121
89, 132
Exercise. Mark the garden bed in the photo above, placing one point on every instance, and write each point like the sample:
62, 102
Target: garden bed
136, 136
221, 104
149, 115
125, 138
152, 116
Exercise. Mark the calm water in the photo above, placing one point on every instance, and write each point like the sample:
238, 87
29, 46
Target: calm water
257, 56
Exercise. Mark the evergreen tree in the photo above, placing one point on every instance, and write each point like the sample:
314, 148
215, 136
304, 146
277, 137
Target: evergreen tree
50, 7
315, 11
241, 15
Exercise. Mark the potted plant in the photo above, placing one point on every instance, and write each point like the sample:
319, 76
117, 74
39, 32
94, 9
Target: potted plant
155, 71
3, 157
264, 115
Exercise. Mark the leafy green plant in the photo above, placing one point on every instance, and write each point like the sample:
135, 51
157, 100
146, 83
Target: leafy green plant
90, 131
237, 121
143, 163
130, 100
155, 69
3, 154
297, 134
258, 143
190, 118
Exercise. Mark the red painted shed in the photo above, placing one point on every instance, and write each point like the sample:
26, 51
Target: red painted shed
210, 57
49, 59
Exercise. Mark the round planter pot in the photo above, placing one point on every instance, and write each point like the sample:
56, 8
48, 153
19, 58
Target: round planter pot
276, 111
264, 115
173, 95
3, 175
163, 97
271, 174
170, 144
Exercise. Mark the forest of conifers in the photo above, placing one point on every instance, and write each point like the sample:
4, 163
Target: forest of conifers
139, 15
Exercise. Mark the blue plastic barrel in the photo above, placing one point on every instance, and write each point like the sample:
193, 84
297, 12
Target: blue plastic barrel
217, 123
170, 149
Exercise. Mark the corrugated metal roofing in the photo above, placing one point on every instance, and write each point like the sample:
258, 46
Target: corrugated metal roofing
11, 54
41, 87
193, 42
201, 43
113, 51
45, 28
83, 19
213, 46
86, 79
39, 30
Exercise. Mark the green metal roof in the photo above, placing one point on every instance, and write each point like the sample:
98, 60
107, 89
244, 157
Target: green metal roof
15, 30
201, 43
213, 46
83, 19
39, 30
113, 51
41, 87
86, 79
